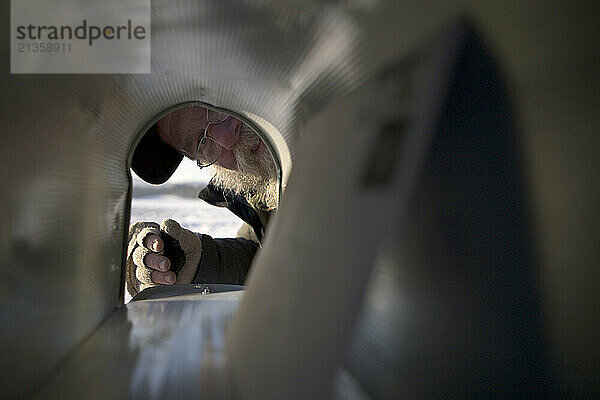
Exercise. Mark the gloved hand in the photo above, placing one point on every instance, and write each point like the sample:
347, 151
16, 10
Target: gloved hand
164, 254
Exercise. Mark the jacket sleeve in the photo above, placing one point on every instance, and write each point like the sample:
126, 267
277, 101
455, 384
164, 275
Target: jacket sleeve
225, 260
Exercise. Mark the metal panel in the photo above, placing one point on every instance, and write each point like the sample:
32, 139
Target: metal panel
152, 349
67, 138
379, 151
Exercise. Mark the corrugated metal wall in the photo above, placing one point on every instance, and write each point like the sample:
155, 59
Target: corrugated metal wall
66, 140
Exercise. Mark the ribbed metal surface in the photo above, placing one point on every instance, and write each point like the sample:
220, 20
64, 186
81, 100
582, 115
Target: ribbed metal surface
66, 140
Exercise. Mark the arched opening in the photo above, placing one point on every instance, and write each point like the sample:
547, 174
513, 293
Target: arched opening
214, 174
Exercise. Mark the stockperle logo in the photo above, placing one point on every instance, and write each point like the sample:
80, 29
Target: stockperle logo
78, 36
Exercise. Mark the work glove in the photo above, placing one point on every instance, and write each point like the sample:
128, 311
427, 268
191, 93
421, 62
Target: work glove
164, 254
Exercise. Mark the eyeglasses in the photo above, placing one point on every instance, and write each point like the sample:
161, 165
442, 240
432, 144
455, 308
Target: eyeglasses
209, 151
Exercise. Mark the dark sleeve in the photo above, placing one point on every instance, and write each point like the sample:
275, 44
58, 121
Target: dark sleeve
225, 260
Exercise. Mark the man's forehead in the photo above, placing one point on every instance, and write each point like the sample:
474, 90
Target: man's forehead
190, 144
182, 129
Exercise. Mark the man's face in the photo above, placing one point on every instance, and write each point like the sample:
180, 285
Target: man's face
245, 164
184, 128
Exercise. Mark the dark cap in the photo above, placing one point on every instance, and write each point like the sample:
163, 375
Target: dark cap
154, 160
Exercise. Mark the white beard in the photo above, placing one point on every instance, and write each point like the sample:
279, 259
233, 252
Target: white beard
256, 174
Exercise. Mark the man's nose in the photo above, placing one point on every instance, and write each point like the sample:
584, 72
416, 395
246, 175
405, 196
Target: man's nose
226, 133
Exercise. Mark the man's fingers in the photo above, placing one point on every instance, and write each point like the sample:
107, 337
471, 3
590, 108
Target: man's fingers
159, 263
163, 278
153, 242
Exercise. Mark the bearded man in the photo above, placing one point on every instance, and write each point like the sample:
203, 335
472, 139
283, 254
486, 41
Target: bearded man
245, 182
